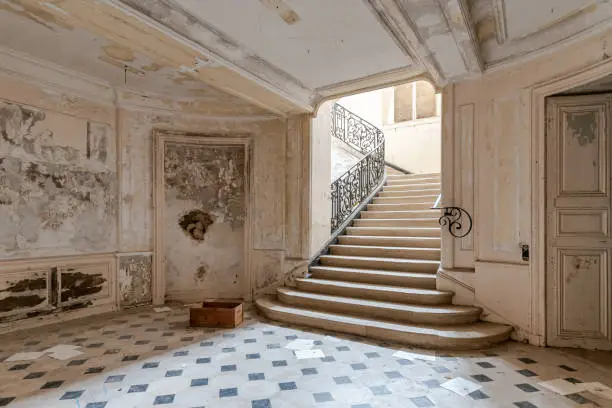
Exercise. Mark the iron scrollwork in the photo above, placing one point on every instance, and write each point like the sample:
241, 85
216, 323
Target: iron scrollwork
452, 217
354, 186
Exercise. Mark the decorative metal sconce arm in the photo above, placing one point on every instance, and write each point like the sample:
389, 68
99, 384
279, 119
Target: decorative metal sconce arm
453, 219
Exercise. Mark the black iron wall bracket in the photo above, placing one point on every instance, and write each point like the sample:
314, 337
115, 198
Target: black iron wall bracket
456, 219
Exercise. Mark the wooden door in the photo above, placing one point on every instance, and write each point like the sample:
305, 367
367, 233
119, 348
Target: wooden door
579, 283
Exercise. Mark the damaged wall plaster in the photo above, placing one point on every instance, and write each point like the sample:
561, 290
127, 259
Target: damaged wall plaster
135, 276
53, 136
204, 225
58, 186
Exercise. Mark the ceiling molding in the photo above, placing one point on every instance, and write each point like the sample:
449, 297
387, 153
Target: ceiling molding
499, 14
209, 42
403, 30
370, 83
460, 23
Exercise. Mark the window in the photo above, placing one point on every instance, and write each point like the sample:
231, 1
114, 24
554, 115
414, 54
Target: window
416, 100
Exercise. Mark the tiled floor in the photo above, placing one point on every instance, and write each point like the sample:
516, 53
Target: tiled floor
145, 359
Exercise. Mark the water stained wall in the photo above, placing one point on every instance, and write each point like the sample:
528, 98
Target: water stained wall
204, 218
135, 276
57, 183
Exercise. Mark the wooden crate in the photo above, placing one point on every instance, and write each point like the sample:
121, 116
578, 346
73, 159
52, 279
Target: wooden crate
226, 314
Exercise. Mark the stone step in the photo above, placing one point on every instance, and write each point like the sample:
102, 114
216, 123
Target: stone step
406, 214
387, 264
397, 222
400, 206
411, 193
386, 252
419, 314
407, 199
472, 336
411, 232
415, 176
410, 242
378, 277
416, 186
413, 296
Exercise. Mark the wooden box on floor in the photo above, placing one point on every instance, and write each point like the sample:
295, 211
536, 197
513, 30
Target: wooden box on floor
218, 313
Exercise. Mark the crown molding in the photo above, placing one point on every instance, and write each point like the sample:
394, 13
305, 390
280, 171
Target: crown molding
459, 21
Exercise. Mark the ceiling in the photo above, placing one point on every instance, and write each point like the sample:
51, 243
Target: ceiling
40, 35
288, 55
509, 30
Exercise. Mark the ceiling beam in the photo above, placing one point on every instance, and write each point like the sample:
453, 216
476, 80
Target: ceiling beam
401, 27
461, 25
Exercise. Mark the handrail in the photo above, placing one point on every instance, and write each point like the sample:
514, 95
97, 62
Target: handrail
354, 130
350, 190
451, 218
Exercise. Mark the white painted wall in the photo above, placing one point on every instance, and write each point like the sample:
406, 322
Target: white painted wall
320, 178
414, 145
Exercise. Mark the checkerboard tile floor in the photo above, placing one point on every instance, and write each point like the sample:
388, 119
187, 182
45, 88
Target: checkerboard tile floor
142, 358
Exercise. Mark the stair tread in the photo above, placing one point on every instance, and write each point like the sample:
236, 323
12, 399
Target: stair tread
390, 238
373, 287
426, 211
382, 248
437, 309
472, 331
373, 258
380, 272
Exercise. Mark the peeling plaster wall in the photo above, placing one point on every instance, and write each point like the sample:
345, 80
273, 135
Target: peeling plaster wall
76, 182
204, 219
58, 183
488, 134
267, 244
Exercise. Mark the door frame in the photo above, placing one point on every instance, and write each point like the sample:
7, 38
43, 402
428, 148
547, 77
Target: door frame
539, 164
160, 138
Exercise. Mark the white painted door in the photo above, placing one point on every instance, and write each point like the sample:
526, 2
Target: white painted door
579, 246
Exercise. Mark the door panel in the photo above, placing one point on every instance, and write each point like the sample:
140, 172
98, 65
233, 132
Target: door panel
578, 222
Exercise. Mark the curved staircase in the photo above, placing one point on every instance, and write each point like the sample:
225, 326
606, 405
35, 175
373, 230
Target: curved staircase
379, 280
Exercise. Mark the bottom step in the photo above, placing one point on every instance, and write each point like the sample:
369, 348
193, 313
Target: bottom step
464, 337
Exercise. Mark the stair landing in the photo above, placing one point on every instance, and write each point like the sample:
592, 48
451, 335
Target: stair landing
379, 280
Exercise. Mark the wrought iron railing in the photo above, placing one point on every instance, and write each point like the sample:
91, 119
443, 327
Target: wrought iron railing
358, 183
354, 130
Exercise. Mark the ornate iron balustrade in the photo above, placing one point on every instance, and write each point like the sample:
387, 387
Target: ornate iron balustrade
354, 130
358, 183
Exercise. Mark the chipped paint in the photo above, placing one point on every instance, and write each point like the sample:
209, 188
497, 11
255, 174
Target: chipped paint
282, 9
582, 126
205, 213
58, 183
119, 52
135, 276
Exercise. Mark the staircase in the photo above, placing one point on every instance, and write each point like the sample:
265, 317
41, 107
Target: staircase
379, 280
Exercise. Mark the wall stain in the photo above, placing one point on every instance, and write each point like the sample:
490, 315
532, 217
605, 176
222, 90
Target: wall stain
119, 52
10, 303
581, 264
135, 274
45, 185
201, 273
195, 223
582, 126
77, 284
25, 285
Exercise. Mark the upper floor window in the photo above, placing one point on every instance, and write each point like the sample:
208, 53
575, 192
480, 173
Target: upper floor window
416, 100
